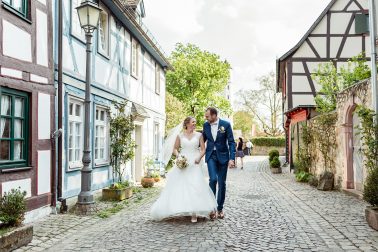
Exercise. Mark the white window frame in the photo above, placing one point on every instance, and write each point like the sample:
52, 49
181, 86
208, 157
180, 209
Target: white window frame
76, 29
105, 124
134, 58
157, 79
102, 51
75, 164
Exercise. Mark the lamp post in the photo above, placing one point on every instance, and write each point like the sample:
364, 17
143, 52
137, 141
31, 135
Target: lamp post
89, 14
373, 37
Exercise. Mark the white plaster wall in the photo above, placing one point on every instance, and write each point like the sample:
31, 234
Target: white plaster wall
303, 100
44, 172
339, 22
321, 28
37, 78
12, 35
335, 45
353, 46
24, 184
100, 177
298, 67
73, 182
44, 115
304, 51
340, 5
320, 45
300, 84
41, 36
11, 72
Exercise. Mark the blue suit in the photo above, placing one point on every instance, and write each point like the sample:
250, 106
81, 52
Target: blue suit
219, 152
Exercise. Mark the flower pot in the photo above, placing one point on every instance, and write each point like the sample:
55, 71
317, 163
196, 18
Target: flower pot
157, 179
16, 238
147, 182
326, 181
371, 214
116, 194
276, 170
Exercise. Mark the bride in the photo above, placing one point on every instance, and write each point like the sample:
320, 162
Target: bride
186, 192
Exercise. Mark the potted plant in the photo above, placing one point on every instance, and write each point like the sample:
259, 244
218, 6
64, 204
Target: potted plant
275, 165
12, 211
156, 176
273, 153
371, 196
149, 166
118, 191
122, 148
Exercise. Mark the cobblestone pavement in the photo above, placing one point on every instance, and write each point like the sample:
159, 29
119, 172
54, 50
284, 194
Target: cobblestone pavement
264, 212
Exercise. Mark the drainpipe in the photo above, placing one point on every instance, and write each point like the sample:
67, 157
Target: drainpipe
372, 25
60, 97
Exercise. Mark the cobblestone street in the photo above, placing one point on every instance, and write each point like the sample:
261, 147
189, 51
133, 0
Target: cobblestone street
264, 212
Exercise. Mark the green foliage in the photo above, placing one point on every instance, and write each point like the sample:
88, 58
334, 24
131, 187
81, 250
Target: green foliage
13, 207
313, 181
155, 174
122, 144
199, 80
174, 110
269, 141
264, 104
369, 136
272, 154
304, 156
243, 121
120, 185
333, 82
275, 163
302, 176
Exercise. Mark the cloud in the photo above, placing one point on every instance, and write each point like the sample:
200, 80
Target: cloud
250, 34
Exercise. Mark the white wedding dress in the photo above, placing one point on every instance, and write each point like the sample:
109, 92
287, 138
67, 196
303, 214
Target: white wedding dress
186, 191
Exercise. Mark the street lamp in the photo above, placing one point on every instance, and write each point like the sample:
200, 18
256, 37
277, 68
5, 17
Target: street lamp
89, 14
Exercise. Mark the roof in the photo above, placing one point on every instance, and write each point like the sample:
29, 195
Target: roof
299, 108
139, 111
303, 39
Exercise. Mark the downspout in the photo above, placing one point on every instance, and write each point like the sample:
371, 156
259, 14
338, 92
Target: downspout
372, 25
60, 97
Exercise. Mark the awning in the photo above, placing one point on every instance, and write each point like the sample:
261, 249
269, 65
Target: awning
138, 112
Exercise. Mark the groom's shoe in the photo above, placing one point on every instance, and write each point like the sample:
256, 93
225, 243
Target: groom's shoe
213, 215
220, 215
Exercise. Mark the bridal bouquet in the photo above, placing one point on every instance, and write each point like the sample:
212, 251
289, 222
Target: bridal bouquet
182, 162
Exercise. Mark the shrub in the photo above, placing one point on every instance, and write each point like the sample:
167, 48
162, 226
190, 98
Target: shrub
371, 188
272, 154
302, 176
275, 163
313, 181
269, 141
13, 207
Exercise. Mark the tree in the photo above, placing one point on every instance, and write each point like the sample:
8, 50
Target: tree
174, 110
264, 104
198, 80
243, 121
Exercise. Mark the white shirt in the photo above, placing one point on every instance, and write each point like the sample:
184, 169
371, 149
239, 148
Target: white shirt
214, 129
249, 144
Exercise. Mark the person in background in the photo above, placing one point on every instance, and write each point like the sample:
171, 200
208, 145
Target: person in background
239, 153
249, 147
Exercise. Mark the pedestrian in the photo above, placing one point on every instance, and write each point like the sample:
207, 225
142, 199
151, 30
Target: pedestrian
249, 147
239, 153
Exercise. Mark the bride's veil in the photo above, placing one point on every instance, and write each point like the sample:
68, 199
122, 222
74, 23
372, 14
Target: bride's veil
169, 143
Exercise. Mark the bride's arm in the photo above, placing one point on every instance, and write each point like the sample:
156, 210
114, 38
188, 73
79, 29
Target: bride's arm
177, 147
202, 150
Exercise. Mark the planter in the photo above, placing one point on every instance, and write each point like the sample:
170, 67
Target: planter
276, 170
326, 181
147, 182
117, 194
157, 179
371, 214
16, 238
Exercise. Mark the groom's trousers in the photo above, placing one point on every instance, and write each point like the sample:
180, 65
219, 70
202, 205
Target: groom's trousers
218, 175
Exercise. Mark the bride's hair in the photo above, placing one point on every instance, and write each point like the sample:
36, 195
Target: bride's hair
187, 121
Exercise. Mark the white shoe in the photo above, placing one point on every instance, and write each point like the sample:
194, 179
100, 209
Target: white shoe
194, 218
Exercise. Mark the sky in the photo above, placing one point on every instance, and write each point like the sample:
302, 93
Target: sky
250, 34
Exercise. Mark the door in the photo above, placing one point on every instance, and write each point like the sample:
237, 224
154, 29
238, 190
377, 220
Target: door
138, 154
357, 155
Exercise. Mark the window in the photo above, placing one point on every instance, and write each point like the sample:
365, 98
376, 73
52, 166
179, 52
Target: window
75, 22
157, 79
101, 136
156, 140
75, 133
13, 128
20, 6
134, 58
103, 34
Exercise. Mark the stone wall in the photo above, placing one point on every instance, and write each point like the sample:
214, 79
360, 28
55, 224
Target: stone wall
264, 150
345, 130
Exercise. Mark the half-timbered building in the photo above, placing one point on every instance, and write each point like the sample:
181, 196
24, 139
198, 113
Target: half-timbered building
339, 34
127, 65
27, 102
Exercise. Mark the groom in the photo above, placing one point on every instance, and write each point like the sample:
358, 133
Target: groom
220, 155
